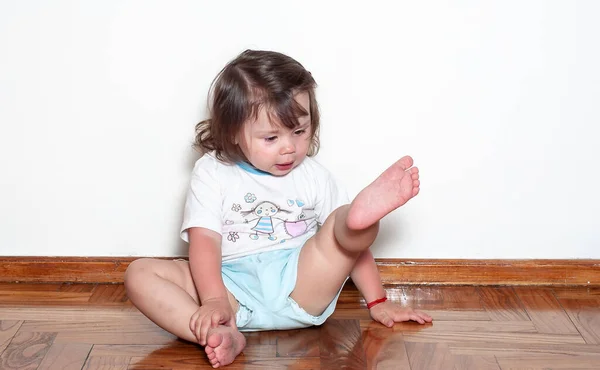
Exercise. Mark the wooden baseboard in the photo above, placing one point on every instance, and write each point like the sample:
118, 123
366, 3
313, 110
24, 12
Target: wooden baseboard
393, 271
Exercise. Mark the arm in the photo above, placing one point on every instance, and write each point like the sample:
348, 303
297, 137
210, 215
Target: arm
205, 263
365, 276
205, 266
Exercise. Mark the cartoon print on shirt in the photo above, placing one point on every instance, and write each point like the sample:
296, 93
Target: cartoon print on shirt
265, 212
307, 213
298, 202
233, 236
306, 220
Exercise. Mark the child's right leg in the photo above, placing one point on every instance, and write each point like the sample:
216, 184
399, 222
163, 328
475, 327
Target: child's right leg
164, 291
328, 257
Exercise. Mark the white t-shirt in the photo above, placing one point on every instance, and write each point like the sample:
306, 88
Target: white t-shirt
255, 211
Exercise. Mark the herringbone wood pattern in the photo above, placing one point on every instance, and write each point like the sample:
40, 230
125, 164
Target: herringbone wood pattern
79, 326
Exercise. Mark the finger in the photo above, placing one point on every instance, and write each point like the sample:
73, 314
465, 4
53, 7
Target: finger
400, 316
386, 320
216, 319
193, 323
417, 318
203, 331
425, 316
198, 333
416, 183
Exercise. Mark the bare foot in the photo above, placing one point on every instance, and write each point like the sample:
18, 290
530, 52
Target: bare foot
223, 344
394, 187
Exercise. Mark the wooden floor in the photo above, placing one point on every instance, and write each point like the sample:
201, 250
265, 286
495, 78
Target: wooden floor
79, 326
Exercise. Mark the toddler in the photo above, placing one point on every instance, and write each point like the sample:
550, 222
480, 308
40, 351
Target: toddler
272, 237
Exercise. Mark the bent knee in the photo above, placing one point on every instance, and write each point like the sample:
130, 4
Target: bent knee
137, 270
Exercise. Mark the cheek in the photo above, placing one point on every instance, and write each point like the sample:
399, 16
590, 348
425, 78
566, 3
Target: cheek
259, 151
255, 146
265, 148
263, 154
246, 146
305, 143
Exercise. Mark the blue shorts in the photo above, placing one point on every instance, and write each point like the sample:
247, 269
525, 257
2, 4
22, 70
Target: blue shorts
262, 284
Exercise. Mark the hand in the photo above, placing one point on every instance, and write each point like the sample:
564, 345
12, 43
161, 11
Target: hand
212, 313
388, 313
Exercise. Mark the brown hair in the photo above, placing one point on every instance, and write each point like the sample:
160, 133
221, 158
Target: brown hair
252, 80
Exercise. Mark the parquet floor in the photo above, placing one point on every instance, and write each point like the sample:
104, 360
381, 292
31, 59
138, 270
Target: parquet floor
79, 326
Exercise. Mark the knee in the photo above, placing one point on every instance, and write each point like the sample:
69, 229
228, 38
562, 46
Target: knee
374, 229
137, 271
353, 239
366, 237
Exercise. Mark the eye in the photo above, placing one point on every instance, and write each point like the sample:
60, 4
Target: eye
270, 139
300, 132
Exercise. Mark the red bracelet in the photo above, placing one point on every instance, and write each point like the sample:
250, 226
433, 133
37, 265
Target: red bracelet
376, 302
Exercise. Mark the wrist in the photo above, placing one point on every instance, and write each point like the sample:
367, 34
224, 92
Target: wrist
376, 302
215, 298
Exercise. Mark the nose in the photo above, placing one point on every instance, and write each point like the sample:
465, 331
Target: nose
287, 146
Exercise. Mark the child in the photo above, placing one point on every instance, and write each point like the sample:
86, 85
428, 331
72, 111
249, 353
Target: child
272, 238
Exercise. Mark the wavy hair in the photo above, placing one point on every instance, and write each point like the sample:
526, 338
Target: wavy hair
252, 80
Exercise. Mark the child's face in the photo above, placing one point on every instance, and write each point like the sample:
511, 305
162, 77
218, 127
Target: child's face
274, 148
266, 209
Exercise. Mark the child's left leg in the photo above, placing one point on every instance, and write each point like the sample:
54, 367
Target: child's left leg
329, 256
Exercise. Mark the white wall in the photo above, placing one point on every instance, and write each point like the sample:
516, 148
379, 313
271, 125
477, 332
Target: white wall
497, 102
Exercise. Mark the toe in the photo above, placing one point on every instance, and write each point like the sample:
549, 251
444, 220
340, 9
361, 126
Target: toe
406, 162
